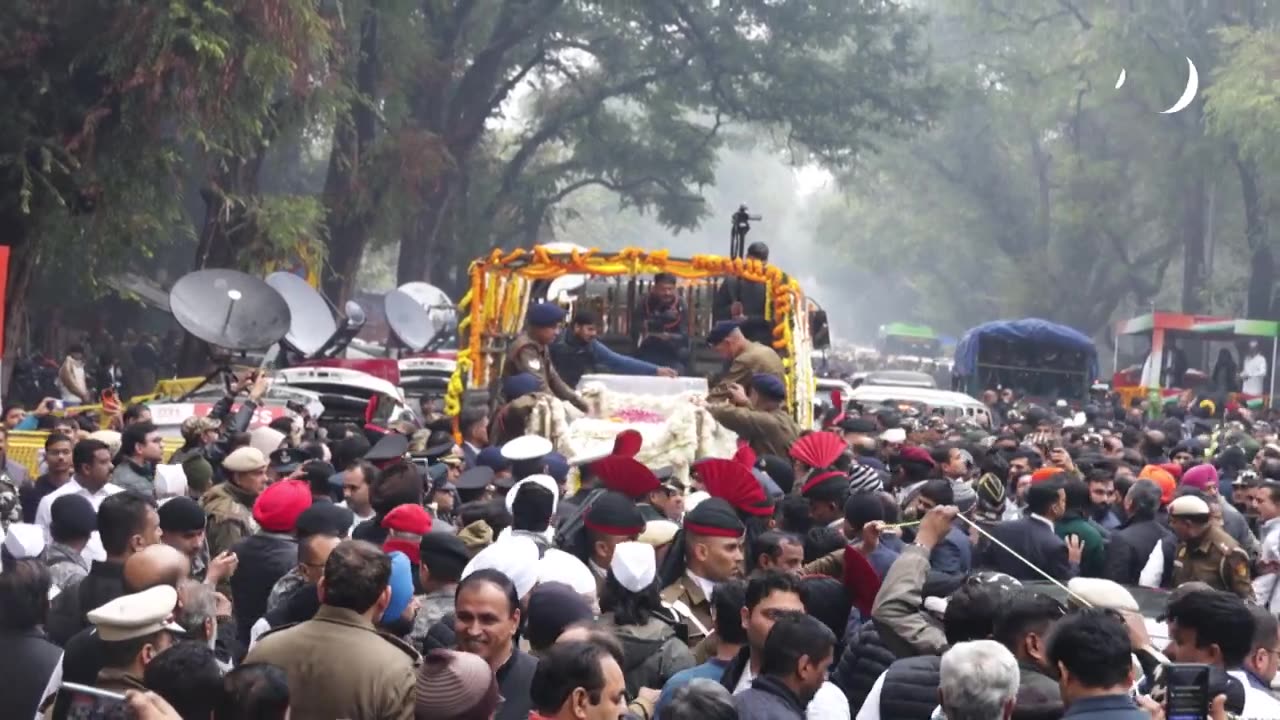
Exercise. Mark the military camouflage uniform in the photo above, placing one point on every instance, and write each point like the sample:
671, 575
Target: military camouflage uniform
284, 587
432, 608
10, 502
1216, 559
230, 512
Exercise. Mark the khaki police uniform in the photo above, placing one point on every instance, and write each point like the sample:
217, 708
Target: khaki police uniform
1217, 560
756, 358
769, 432
528, 356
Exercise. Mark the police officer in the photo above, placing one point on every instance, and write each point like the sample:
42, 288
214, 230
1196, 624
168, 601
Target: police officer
743, 357
1206, 553
229, 505
759, 415
529, 353
132, 629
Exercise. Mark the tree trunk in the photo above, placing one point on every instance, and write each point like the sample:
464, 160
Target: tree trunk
348, 216
1193, 225
419, 246
227, 234
1262, 271
15, 227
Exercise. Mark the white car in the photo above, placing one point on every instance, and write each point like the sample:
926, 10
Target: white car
954, 405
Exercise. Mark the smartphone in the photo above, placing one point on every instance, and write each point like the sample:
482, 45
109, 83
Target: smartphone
1186, 691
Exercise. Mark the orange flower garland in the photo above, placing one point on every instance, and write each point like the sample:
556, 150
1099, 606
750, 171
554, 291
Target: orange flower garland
491, 303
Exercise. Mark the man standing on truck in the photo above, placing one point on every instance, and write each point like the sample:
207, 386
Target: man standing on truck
529, 352
744, 301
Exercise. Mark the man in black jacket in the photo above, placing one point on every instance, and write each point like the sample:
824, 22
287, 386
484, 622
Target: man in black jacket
1023, 627
1133, 543
745, 301
797, 654
127, 523
864, 659
266, 556
1033, 538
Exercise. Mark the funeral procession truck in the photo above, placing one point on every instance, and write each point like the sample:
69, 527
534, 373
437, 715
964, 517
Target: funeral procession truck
677, 430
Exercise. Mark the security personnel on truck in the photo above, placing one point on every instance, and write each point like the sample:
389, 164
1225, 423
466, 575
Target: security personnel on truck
743, 359
530, 352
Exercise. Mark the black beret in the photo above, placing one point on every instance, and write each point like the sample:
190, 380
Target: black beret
715, 517
444, 554
769, 385
720, 331
613, 513
780, 470
325, 518
181, 514
829, 485
545, 314
73, 516
864, 426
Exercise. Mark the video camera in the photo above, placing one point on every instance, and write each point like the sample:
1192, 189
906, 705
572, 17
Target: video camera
738, 233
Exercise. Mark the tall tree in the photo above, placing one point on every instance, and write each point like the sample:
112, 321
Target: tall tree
631, 97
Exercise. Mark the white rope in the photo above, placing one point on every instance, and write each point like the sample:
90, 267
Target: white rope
1027, 562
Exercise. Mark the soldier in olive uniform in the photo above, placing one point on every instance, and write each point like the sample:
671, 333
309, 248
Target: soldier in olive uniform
759, 415
743, 357
1206, 553
529, 352
712, 554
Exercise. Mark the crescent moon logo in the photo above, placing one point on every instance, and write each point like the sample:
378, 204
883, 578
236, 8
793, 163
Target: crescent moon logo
1188, 94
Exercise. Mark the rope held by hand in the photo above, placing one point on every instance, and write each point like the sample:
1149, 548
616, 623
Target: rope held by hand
1025, 561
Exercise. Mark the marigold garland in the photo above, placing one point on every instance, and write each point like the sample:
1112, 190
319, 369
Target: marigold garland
502, 281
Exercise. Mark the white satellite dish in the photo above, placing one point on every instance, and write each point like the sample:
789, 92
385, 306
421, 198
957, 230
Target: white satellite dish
312, 323
563, 247
442, 314
562, 288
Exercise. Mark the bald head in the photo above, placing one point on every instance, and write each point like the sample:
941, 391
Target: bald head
155, 565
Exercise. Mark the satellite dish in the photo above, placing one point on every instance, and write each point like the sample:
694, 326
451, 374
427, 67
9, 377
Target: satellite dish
355, 314
229, 309
442, 314
563, 247
562, 288
408, 320
312, 324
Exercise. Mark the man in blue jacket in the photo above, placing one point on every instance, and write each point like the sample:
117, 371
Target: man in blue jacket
577, 352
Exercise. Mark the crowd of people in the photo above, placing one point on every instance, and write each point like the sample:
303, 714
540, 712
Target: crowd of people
889, 565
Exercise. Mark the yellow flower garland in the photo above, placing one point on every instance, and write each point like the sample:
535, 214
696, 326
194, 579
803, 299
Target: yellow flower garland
500, 283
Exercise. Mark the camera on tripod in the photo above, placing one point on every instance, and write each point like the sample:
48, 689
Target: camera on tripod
738, 233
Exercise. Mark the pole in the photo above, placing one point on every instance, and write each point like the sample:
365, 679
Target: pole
1271, 399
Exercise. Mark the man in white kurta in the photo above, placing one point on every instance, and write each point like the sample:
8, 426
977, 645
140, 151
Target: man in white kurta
1254, 371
